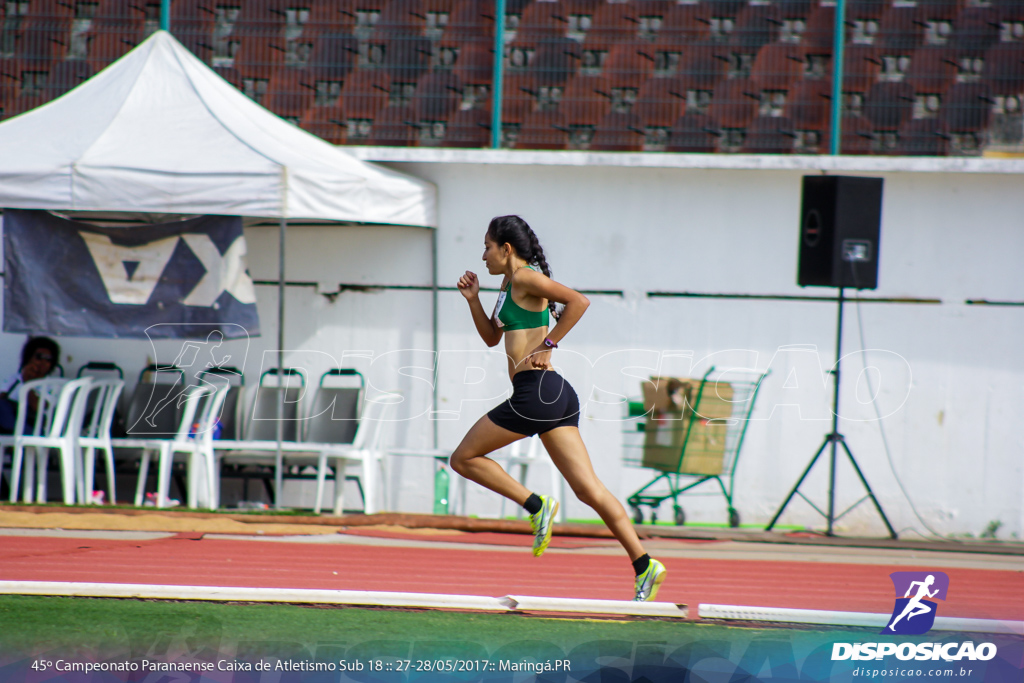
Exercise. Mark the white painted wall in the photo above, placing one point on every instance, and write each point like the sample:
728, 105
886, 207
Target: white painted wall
951, 385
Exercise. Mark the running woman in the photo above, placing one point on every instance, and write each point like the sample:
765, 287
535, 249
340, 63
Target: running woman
542, 402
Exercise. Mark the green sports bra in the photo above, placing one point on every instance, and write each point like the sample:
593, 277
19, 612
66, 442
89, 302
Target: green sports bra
512, 316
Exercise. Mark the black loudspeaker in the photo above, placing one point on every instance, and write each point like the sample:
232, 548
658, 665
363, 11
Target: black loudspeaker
840, 225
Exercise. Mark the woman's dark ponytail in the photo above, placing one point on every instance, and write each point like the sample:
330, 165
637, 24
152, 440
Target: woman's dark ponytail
515, 231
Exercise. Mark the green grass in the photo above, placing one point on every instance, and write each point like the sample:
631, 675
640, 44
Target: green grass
57, 624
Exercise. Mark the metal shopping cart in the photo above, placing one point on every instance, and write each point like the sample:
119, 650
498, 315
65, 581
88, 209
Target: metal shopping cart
688, 431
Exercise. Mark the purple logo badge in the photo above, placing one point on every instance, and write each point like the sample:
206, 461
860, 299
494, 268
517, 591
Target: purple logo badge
915, 610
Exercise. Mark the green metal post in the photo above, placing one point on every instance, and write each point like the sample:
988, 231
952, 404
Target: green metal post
499, 58
838, 40
165, 15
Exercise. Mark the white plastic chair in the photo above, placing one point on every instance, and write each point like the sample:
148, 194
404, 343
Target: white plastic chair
96, 435
59, 412
46, 396
365, 449
179, 442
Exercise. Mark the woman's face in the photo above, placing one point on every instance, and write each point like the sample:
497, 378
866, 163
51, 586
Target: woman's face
494, 256
39, 365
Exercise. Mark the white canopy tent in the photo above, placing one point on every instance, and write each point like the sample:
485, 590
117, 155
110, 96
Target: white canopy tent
159, 132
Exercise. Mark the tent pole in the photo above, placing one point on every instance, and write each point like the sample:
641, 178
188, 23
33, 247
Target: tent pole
165, 15
278, 460
437, 358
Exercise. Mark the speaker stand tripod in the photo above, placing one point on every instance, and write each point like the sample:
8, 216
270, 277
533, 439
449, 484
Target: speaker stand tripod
832, 441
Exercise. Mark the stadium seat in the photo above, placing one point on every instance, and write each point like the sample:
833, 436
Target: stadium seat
809, 104
861, 67
290, 93
899, 32
41, 41
395, 126
586, 100
333, 57
1004, 68
703, 65
365, 93
406, 58
685, 24
922, 137
468, 128
695, 133
819, 33
193, 23
756, 26
975, 30
261, 19
401, 18
769, 135
932, 69
628, 65
1009, 10
618, 132
889, 105
519, 95
967, 108
258, 56
470, 23
555, 60
938, 10
735, 103
726, 9
329, 17
857, 136
108, 46
777, 67
539, 21
660, 102
611, 25
543, 130
329, 122
437, 95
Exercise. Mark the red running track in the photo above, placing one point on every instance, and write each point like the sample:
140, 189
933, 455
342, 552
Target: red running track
189, 559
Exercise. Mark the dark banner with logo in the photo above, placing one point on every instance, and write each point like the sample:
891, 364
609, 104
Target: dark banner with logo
64, 277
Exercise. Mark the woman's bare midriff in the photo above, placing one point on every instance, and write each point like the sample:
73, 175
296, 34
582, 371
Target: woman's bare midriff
519, 344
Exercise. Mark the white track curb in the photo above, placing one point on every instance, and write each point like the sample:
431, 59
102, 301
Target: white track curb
340, 597
867, 619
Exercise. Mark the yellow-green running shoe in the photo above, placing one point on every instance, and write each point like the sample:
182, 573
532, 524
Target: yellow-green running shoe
541, 523
647, 584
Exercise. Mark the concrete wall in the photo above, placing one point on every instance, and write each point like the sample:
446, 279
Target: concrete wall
945, 373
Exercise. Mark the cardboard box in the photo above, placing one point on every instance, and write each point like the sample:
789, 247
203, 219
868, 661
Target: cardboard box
675, 409
663, 439
705, 449
716, 401
668, 393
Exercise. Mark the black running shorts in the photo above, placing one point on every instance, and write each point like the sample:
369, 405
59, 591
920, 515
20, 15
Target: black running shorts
541, 401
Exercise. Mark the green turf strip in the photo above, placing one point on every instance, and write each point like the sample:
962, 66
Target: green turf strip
139, 626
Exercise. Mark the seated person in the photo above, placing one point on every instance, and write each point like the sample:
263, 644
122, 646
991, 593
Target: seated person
39, 357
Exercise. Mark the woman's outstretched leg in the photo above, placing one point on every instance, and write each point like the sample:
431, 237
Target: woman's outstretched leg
470, 459
569, 454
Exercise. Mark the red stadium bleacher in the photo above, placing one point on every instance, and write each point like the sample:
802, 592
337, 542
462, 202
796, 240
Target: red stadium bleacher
710, 75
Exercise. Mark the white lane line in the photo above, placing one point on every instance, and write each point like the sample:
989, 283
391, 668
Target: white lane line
342, 597
834, 618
